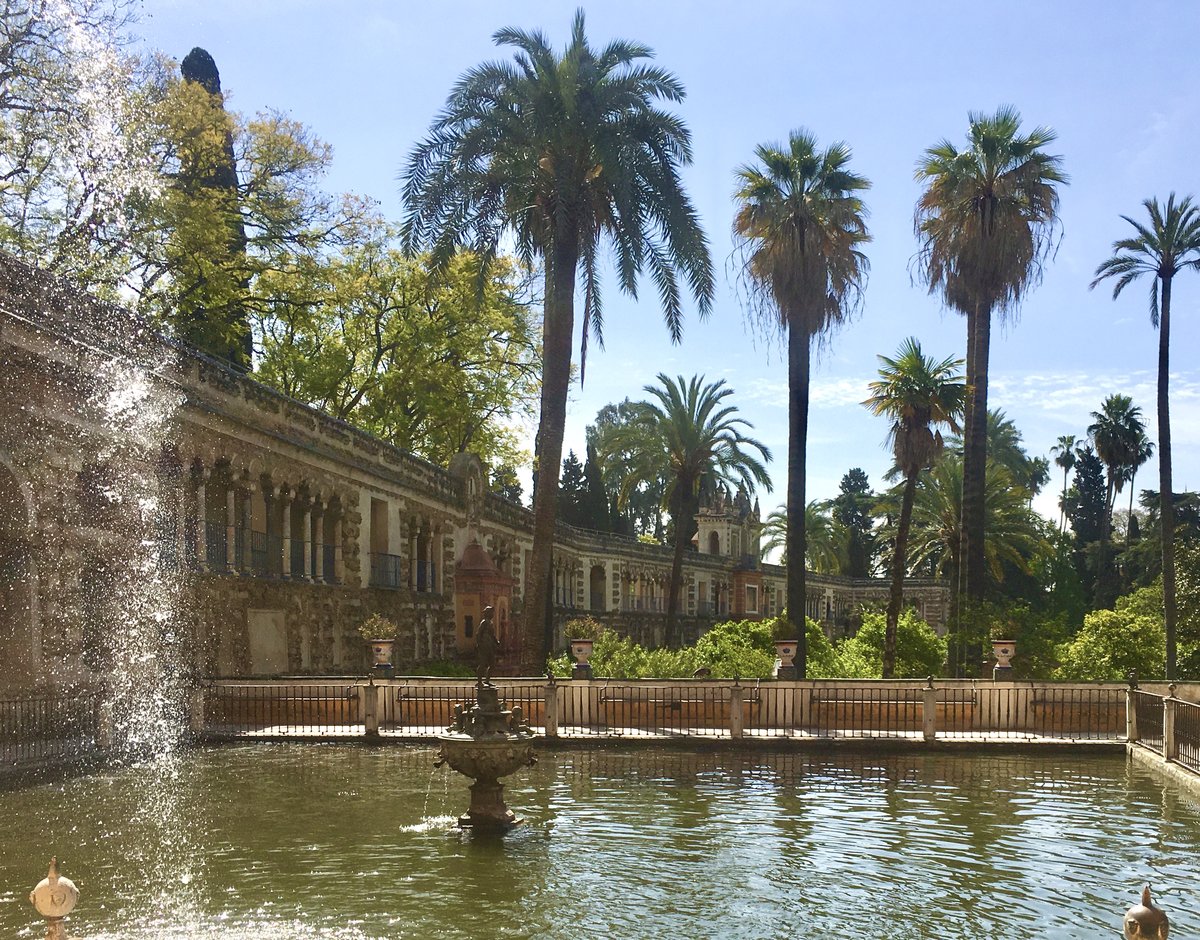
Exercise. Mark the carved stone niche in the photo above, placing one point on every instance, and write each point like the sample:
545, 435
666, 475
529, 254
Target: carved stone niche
470, 480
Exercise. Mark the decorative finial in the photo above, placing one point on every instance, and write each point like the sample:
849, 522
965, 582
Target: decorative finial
54, 897
1146, 921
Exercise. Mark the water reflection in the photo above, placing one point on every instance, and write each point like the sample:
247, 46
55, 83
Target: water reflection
354, 842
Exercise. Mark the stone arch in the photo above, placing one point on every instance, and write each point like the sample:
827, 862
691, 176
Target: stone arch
20, 651
597, 587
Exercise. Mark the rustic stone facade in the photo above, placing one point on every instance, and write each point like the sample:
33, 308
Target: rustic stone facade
276, 529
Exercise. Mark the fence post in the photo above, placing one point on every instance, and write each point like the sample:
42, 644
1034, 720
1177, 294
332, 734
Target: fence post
1131, 725
104, 725
737, 715
370, 707
929, 711
551, 708
1168, 743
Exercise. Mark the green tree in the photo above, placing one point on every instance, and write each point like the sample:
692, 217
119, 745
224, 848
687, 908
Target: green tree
595, 499
1170, 243
1116, 433
76, 154
689, 432
1114, 643
1063, 453
800, 225
564, 152
985, 224
826, 539
433, 364
921, 652
506, 484
917, 394
636, 507
852, 510
571, 491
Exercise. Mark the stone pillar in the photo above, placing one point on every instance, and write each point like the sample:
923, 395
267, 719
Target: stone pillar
427, 561
339, 536
201, 521
1131, 725
551, 708
737, 713
306, 534
285, 532
247, 558
231, 528
438, 576
318, 539
268, 512
929, 711
413, 530
1170, 749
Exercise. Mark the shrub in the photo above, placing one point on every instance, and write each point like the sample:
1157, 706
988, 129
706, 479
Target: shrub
1113, 643
377, 627
920, 652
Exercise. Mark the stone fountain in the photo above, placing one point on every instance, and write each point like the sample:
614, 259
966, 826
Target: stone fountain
487, 741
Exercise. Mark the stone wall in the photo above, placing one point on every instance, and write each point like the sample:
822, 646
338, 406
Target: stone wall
277, 529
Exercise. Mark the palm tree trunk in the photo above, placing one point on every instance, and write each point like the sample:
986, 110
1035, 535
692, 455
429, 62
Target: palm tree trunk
1129, 521
1166, 509
973, 574
1062, 505
899, 565
797, 597
683, 536
559, 321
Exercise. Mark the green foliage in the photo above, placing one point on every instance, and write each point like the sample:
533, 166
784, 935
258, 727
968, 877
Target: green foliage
636, 505
736, 649
435, 364
1113, 643
447, 669
852, 511
920, 652
377, 627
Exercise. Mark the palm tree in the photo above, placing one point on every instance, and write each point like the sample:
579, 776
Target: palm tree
1116, 432
917, 393
825, 539
1063, 453
1168, 245
562, 152
985, 225
1012, 535
690, 435
1142, 450
800, 225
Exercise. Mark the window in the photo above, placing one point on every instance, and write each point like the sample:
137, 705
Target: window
751, 599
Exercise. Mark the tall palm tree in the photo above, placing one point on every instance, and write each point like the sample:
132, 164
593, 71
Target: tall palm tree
563, 153
690, 434
1063, 453
985, 225
1116, 432
918, 394
800, 225
1168, 245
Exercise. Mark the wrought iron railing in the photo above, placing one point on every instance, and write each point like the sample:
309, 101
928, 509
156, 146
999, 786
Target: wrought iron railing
1187, 734
386, 570
57, 727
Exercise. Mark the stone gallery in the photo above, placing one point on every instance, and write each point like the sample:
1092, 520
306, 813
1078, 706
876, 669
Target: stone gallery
276, 530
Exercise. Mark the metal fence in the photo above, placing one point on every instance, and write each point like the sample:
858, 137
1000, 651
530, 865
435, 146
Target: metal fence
1148, 717
1187, 734
50, 728
658, 708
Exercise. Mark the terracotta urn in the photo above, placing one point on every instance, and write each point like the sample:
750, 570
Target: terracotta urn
582, 650
786, 651
1004, 650
381, 651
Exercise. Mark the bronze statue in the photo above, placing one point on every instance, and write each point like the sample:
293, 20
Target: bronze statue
486, 647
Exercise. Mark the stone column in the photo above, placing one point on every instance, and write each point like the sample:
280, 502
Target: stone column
414, 529
429, 562
306, 534
438, 575
247, 558
285, 531
181, 525
231, 528
268, 511
201, 521
339, 563
318, 538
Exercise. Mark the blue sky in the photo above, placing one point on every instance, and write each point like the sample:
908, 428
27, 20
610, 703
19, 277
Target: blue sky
1116, 81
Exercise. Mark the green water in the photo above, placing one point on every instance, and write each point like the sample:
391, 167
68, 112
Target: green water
338, 841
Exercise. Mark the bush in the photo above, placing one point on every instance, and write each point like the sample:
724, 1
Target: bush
920, 652
1113, 643
741, 649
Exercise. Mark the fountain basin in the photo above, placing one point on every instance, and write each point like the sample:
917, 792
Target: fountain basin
486, 760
